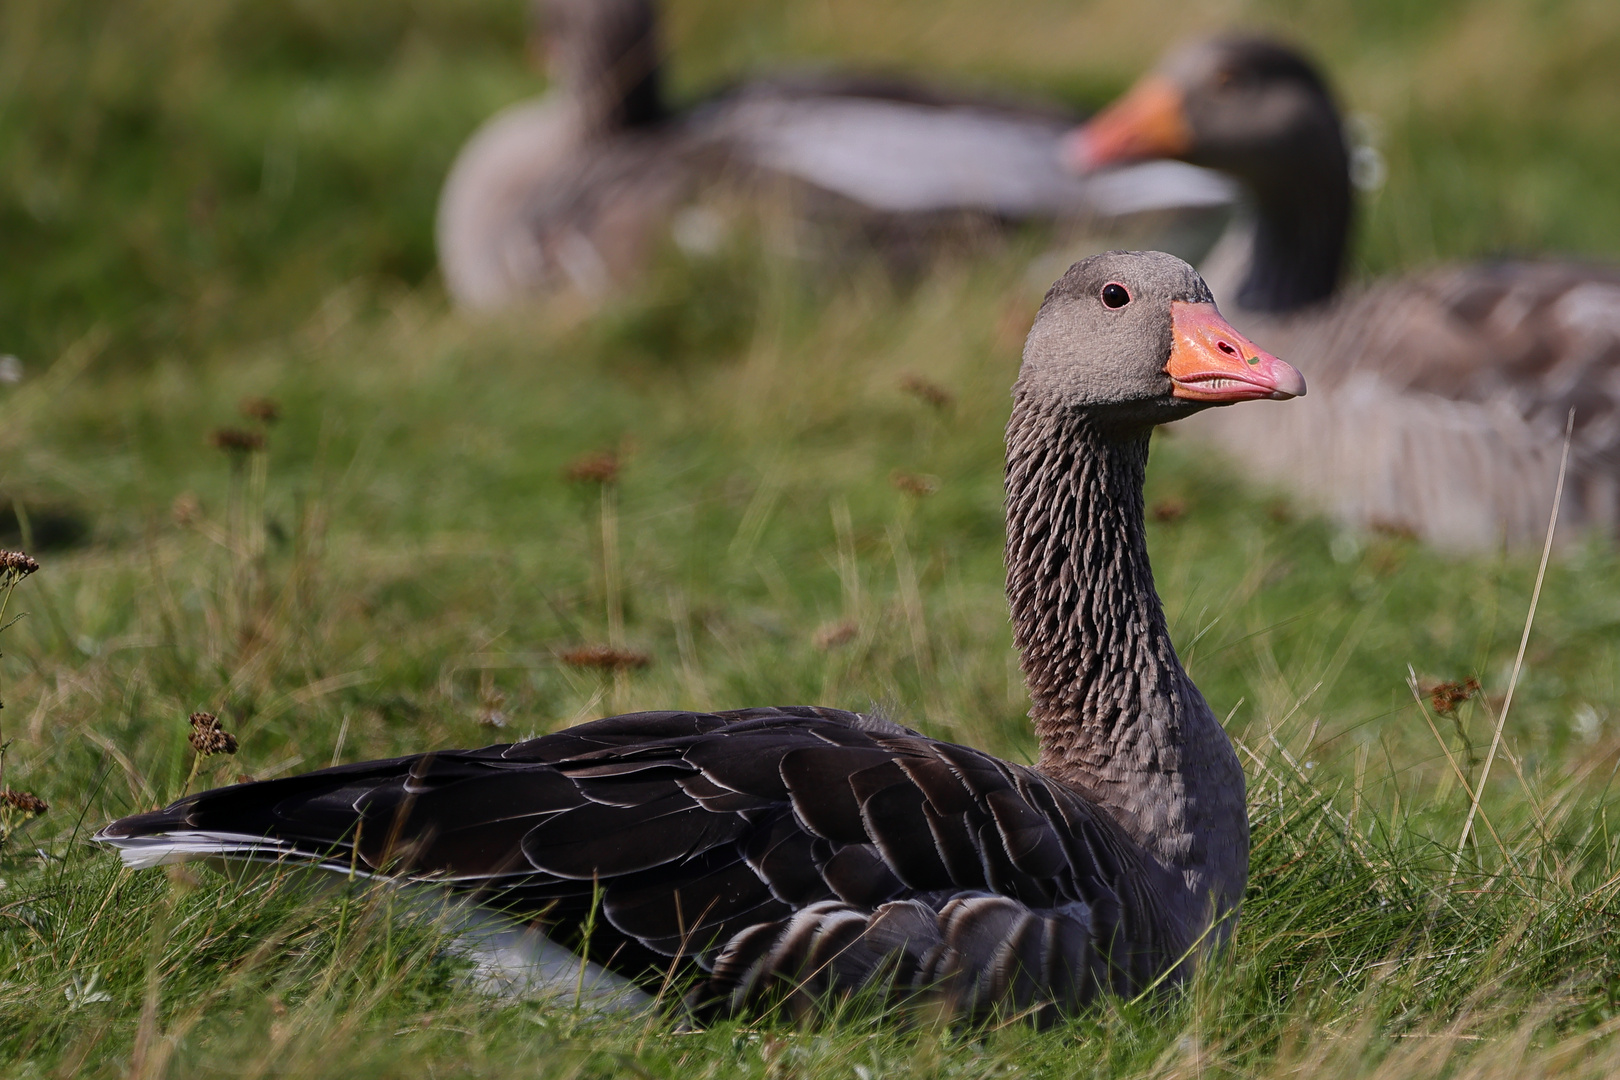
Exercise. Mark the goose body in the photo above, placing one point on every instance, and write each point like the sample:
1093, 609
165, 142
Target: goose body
572, 191
787, 853
1440, 398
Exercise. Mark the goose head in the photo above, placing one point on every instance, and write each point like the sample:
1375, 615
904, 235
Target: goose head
1260, 112
1250, 107
1133, 339
604, 54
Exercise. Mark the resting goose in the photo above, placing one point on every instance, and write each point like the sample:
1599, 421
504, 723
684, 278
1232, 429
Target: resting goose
775, 853
570, 192
1440, 398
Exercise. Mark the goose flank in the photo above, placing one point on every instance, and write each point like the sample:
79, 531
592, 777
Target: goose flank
1440, 397
783, 854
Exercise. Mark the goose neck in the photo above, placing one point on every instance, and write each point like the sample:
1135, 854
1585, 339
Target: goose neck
1303, 214
1115, 713
612, 68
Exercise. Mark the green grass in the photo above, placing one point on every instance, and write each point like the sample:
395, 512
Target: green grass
202, 202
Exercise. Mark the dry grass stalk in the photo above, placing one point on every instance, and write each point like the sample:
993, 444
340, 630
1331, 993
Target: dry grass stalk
14, 566
1524, 641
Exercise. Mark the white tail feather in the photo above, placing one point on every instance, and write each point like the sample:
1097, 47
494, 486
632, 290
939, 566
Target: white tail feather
510, 958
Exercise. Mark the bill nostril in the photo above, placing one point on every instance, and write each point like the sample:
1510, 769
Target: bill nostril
1226, 348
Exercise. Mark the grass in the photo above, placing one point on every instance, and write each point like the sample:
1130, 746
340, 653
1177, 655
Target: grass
203, 203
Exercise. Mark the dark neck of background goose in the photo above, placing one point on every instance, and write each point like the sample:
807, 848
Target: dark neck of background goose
612, 67
1115, 713
1304, 206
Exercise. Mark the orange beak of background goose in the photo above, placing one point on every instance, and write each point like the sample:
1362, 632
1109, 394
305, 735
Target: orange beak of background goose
1213, 363
1146, 123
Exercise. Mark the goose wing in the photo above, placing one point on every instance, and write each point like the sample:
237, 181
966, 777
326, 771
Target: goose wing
772, 850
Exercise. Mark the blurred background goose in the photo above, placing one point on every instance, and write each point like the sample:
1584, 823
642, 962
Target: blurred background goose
1439, 399
572, 191
798, 851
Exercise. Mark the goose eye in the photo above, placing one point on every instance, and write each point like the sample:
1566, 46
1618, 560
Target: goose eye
1115, 295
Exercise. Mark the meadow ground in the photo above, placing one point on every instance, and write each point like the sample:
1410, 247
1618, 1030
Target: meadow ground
204, 202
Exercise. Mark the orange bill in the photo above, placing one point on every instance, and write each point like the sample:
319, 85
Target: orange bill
1146, 123
1210, 361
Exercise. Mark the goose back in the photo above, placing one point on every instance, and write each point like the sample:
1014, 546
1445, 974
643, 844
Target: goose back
1439, 404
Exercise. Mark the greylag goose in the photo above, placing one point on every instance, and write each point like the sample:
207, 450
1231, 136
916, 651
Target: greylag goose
571, 191
785, 853
1441, 397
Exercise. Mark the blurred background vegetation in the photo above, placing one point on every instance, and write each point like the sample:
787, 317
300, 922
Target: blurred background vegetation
203, 201
186, 172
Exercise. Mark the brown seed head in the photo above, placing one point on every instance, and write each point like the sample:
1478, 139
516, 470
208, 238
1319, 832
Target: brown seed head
604, 657
914, 483
186, 509
26, 801
264, 410
235, 440
1168, 510
208, 738
14, 566
929, 393
601, 467
1446, 696
835, 634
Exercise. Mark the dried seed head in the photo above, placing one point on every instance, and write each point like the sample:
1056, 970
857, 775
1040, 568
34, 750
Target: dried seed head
14, 566
26, 801
1397, 530
1168, 510
264, 410
605, 657
186, 509
208, 738
1446, 696
929, 393
914, 483
235, 440
835, 634
598, 468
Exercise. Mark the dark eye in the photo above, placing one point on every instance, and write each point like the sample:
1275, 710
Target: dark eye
1115, 295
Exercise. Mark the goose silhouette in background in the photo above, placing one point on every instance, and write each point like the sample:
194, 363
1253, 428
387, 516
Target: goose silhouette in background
571, 192
1440, 398
782, 854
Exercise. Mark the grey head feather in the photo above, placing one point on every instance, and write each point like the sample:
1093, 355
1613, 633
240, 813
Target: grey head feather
1084, 354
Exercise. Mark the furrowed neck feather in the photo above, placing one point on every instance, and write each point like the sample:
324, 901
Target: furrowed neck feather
1115, 713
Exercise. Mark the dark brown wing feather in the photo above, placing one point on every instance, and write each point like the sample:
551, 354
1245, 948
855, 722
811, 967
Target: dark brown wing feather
773, 852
